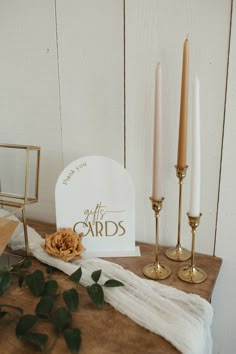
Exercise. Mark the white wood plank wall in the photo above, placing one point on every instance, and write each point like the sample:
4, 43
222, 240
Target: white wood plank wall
29, 101
77, 78
90, 47
155, 31
224, 299
61, 83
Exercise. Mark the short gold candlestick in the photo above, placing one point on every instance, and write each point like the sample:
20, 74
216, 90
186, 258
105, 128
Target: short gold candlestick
156, 270
178, 253
191, 273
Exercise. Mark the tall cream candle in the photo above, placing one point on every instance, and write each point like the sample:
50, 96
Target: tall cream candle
157, 186
182, 144
194, 209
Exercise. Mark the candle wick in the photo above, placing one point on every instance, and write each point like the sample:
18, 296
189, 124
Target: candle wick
187, 36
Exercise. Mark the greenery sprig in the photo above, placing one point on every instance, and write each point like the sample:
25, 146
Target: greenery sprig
48, 291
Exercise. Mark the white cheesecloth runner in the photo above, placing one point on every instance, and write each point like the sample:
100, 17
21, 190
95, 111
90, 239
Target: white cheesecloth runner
182, 319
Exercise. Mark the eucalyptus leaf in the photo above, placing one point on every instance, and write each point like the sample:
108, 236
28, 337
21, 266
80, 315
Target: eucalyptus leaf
17, 266
73, 339
96, 294
51, 287
96, 275
61, 318
27, 263
76, 276
112, 283
50, 269
5, 280
24, 324
38, 339
21, 280
36, 282
71, 298
44, 307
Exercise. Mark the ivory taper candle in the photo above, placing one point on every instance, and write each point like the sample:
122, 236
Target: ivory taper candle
157, 186
195, 184
182, 145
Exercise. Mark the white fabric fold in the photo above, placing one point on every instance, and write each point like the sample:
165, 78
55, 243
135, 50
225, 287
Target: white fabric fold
182, 319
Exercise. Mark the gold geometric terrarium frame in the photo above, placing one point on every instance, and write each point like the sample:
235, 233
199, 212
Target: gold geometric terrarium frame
20, 201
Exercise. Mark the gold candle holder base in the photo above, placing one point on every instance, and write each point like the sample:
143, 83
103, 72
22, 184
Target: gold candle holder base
155, 270
178, 253
190, 273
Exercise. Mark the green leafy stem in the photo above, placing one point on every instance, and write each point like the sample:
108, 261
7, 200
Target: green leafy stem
48, 290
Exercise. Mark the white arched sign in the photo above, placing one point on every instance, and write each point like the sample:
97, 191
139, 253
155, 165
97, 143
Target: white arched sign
95, 195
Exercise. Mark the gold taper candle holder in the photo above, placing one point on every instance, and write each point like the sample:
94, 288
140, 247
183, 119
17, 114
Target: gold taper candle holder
156, 270
178, 253
191, 273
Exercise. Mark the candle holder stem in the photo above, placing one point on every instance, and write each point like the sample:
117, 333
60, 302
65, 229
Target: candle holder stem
180, 211
157, 237
193, 248
178, 253
156, 270
191, 273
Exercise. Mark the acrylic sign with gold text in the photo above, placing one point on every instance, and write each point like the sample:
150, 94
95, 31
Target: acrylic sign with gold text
95, 195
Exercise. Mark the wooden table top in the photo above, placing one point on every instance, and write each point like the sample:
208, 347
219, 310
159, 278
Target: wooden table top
105, 331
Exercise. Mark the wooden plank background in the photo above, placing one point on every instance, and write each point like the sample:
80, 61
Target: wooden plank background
77, 78
149, 39
224, 300
90, 51
29, 100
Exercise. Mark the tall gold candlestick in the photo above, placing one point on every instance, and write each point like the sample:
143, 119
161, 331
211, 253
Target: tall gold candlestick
178, 253
156, 270
191, 273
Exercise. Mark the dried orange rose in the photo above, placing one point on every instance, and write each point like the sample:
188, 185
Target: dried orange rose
65, 244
